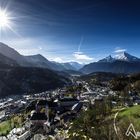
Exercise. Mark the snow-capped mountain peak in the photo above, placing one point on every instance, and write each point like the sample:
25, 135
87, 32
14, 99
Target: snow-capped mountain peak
126, 57
107, 59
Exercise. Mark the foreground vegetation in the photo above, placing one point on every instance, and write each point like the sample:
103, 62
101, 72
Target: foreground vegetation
126, 117
95, 124
126, 83
13, 122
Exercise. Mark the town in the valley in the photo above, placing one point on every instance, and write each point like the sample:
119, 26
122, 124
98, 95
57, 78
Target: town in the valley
50, 114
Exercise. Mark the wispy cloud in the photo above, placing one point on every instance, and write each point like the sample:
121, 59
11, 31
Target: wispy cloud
80, 44
119, 50
58, 59
81, 56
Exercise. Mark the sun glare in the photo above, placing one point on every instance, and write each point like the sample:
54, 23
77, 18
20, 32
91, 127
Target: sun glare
4, 19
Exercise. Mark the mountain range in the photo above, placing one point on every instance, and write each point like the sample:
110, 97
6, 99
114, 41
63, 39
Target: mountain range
36, 60
27, 74
122, 63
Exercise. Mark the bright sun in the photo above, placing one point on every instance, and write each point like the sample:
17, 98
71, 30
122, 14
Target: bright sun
4, 19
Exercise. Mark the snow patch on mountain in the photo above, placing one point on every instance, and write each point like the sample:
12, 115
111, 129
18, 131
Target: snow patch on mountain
126, 57
121, 57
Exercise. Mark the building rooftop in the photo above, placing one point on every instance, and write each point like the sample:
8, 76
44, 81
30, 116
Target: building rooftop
47, 103
68, 99
39, 116
42, 102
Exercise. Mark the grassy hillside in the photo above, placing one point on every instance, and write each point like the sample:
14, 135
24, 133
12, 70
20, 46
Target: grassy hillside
15, 121
132, 114
125, 118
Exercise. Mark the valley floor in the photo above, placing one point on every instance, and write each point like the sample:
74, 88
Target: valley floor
80, 111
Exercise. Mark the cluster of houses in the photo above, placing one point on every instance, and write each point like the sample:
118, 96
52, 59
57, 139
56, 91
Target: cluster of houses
96, 93
134, 99
47, 115
19, 134
54, 113
10, 106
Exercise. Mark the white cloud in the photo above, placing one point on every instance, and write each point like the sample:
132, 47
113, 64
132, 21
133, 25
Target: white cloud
57, 59
119, 50
81, 56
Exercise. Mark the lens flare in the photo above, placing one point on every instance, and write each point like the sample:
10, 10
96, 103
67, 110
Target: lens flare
4, 19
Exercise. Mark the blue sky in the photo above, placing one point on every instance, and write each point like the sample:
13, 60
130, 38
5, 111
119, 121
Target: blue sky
73, 30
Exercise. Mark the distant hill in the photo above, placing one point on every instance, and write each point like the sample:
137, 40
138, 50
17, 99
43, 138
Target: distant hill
13, 54
6, 62
20, 80
38, 61
76, 65
124, 63
68, 66
74, 72
99, 77
129, 82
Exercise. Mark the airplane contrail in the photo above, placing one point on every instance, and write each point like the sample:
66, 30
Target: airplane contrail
80, 44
